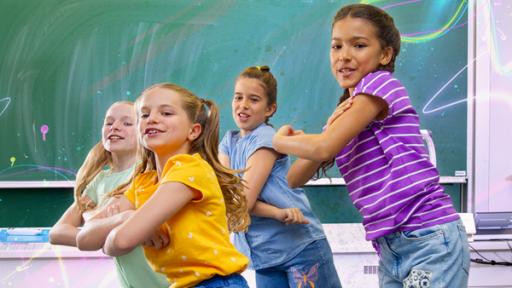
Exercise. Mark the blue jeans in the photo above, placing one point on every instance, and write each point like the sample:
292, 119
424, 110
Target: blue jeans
436, 256
312, 267
230, 281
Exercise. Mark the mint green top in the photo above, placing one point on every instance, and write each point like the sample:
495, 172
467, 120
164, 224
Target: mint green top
132, 269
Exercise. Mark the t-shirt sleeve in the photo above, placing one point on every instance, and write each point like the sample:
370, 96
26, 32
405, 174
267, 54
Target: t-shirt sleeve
382, 84
260, 138
191, 171
224, 146
91, 189
130, 192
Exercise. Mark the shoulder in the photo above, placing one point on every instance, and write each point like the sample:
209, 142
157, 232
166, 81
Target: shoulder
378, 83
186, 162
262, 134
144, 178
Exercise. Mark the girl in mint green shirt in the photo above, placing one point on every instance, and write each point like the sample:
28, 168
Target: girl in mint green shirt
116, 151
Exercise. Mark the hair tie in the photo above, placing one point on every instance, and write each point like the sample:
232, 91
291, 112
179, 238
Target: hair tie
206, 108
264, 68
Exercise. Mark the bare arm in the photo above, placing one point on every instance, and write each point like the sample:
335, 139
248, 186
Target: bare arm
254, 181
95, 230
169, 198
301, 171
259, 168
324, 146
65, 230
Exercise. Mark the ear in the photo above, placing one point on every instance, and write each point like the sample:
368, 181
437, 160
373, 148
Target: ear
386, 56
270, 110
195, 131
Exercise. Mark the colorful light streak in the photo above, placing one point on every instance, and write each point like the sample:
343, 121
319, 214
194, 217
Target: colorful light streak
61, 172
427, 36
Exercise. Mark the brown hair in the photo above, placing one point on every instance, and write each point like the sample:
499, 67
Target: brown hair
388, 36
206, 113
263, 74
96, 160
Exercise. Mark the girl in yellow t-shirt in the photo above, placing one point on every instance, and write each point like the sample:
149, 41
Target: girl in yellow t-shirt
180, 189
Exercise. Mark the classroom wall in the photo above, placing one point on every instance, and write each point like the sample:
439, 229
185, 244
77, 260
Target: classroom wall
65, 62
490, 106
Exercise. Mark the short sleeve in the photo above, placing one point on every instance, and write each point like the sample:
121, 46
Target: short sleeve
192, 171
382, 84
260, 138
224, 146
91, 189
130, 193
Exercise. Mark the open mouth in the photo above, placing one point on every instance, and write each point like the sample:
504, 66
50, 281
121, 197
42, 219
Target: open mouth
243, 116
114, 137
152, 131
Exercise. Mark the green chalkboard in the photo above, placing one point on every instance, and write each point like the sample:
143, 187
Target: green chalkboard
42, 207
63, 62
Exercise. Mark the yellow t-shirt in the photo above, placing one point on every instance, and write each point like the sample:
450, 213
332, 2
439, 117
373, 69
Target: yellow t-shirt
199, 239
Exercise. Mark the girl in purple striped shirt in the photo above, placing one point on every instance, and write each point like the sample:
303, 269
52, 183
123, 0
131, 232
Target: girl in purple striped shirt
377, 146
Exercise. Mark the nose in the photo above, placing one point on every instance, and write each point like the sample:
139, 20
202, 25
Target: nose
115, 126
152, 118
245, 103
344, 54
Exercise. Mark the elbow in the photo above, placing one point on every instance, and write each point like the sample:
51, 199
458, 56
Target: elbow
54, 236
321, 152
84, 243
117, 245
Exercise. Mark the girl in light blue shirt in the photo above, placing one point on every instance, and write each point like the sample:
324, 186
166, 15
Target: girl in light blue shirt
283, 255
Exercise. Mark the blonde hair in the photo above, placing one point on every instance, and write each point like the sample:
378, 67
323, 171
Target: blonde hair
97, 158
205, 113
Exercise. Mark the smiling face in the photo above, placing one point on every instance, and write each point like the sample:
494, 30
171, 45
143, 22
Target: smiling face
164, 126
356, 51
250, 104
119, 132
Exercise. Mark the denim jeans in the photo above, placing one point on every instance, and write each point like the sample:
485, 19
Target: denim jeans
434, 257
230, 281
312, 267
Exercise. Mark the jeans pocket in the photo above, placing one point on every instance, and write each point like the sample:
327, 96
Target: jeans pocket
423, 233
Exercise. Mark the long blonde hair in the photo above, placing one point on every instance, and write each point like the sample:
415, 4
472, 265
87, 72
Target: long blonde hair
206, 113
96, 160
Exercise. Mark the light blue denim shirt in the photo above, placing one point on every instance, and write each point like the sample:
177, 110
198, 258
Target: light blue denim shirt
269, 242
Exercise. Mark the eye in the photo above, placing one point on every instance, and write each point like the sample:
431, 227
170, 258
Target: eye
167, 113
336, 46
255, 99
128, 124
107, 124
237, 98
144, 115
360, 46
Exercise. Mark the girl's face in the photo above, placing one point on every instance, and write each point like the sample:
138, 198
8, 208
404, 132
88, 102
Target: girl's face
355, 51
119, 132
164, 126
250, 104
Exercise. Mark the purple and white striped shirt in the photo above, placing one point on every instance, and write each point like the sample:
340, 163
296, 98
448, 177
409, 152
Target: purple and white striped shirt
386, 167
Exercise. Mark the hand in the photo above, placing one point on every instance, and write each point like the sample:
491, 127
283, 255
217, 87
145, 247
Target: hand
112, 210
287, 130
158, 240
340, 109
291, 216
86, 202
